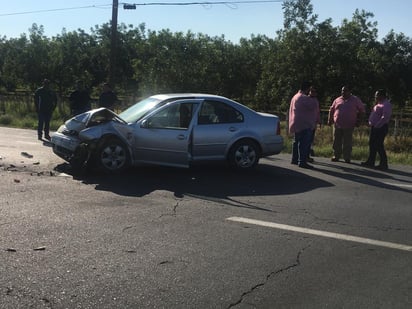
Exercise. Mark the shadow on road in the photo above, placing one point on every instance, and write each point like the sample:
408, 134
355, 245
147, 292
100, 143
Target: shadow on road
372, 177
205, 181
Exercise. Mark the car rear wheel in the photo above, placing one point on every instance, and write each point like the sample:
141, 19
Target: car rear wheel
112, 156
244, 154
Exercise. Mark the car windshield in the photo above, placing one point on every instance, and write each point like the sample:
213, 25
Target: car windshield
81, 118
138, 110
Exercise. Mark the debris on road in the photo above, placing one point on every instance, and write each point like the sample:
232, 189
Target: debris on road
27, 155
39, 249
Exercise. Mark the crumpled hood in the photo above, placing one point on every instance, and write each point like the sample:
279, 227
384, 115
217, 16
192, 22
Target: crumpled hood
91, 118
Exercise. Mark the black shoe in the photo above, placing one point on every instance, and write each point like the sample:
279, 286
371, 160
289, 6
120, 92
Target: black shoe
305, 165
310, 160
382, 167
47, 137
367, 164
334, 159
39, 138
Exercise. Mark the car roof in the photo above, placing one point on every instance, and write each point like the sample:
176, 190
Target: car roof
186, 95
178, 96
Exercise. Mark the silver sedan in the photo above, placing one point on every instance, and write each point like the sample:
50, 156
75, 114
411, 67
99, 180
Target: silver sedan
169, 129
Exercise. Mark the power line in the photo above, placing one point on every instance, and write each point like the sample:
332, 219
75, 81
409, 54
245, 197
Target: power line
202, 3
55, 10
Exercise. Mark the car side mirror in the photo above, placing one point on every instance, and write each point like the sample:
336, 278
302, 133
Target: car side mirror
144, 124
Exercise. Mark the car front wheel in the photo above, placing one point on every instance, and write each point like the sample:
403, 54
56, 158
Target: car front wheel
244, 154
79, 158
112, 156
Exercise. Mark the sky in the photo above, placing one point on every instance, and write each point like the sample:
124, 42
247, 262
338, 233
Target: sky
234, 21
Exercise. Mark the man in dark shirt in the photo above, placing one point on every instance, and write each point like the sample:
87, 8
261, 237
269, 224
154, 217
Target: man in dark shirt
107, 98
45, 101
79, 100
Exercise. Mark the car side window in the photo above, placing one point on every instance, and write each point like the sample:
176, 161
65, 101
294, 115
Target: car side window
214, 112
175, 116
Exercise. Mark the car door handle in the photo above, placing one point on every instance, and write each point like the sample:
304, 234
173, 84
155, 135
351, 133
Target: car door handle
181, 137
232, 129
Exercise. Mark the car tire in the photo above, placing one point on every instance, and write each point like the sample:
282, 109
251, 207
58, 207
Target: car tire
244, 154
79, 158
112, 156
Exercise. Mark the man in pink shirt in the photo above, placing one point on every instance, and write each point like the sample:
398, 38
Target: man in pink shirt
344, 114
378, 121
302, 121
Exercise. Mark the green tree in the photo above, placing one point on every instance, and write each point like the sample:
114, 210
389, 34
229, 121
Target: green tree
35, 59
395, 67
70, 59
298, 14
11, 60
356, 48
291, 57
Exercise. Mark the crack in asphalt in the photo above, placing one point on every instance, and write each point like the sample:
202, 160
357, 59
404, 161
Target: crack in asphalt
268, 277
174, 211
230, 202
128, 227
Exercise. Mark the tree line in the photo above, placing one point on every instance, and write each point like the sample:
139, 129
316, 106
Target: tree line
260, 72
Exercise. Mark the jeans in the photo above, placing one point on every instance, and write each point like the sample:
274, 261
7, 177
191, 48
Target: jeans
301, 146
43, 123
376, 145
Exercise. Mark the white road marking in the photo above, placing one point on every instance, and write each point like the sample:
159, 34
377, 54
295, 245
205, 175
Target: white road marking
322, 233
398, 185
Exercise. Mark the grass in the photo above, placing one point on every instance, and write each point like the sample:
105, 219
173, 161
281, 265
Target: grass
18, 111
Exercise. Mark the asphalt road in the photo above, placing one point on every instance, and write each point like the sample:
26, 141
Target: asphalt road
338, 236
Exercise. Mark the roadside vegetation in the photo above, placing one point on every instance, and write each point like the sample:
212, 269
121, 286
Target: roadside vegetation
260, 72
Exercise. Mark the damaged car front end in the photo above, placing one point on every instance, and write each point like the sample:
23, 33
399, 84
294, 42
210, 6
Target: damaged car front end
80, 138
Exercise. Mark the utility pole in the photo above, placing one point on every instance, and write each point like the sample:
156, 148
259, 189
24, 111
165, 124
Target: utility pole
113, 44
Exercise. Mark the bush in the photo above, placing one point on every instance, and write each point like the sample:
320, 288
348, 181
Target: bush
6, 120
27, 123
